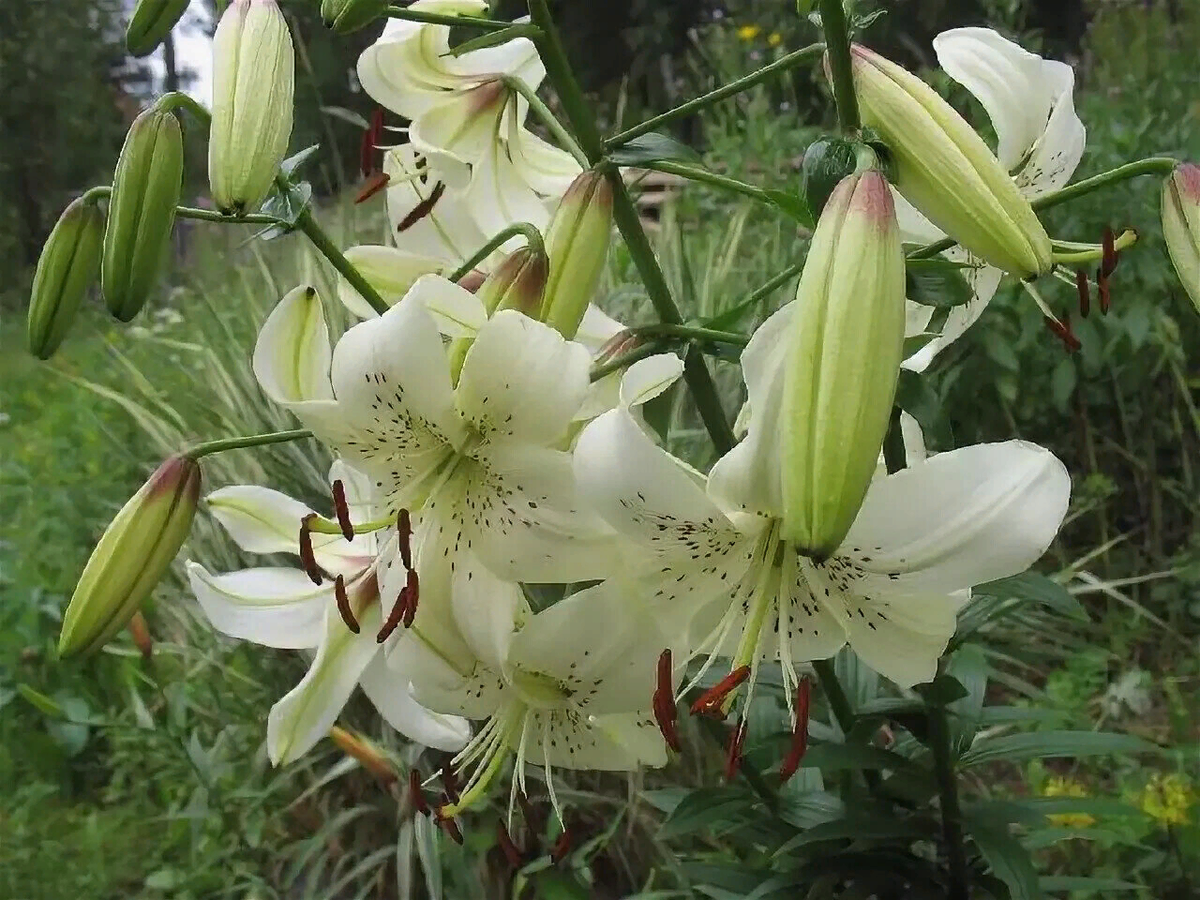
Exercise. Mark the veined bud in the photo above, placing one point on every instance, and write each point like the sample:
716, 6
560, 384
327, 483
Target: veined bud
151, 22
519, 283
577, 244
847, 344
345, 16
132, 556
141, 211
944, 169
253, 88
1181, 225
68, 266
366, 753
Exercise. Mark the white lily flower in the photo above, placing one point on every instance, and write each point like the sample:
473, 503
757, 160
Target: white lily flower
569, 688
281, 607
477, 464
425, 219
725, 580
1041, 140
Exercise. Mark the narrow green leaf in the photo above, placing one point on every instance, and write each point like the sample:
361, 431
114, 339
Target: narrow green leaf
1008, 860
936, 282
1042, 744
791, 205
917, 398
865, 828
1035, 587
296, 160
650, 148
1032, 811
1083, 883
708, 808
496, 38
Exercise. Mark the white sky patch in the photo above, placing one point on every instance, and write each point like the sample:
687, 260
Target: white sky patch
193, 52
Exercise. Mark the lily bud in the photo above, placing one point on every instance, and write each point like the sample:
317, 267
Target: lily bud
151, 22
944, 169
844, 362
1181, 225
519, 283
132, 556
577, 243
68, 266
141, 211
345, 16
253, 88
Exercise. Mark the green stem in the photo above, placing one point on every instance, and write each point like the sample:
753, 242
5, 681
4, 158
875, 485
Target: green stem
734, 87
840, 706
211, 215
542, 111
1152, 165
690, 332
625, 214
943, 765
533, 238
628, 358
430, 18
758, 295
250, 440
837, 36
100, 192
704, 176
306, 223
177, 99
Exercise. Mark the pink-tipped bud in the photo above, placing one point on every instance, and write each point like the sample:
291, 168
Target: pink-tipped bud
1181, 226
519, 283
132, 556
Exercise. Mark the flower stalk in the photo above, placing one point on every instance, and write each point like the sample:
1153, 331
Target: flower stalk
837, 37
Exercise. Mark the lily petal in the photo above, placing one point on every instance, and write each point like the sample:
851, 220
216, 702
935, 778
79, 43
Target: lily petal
983, 280
292, 355
486, 609
445, 230
272, 607
458, 312
393, 698
390, 270
903, 637
615, 743
649, 377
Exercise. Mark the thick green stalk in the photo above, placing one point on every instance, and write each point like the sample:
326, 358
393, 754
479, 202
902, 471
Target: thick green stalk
744, 83
178, 99
250, 440
692, 333
211, 215
308, 224
837, 37
695, 371
533, 239
943, 764
704, 176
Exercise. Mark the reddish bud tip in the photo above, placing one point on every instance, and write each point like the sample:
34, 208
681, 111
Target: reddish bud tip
342, 508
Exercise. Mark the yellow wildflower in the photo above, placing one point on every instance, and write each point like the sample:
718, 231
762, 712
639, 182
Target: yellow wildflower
1167, 799
748, 32
1067, 787
775, 39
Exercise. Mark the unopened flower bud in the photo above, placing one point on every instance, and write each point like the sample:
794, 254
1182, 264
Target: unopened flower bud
132, 556
253, 88
847, 344
345, 16
577, 243
519, 283
141, 211
68, 266
1181, 225
151, 22
366, 753
944, 169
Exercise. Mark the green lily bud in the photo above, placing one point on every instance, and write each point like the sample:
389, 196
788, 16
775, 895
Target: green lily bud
577, 243
826, 162
1181, 225
945, 170
132, 556
844, 362
151, 22
141, 211
68, 266
345, 16
253, 88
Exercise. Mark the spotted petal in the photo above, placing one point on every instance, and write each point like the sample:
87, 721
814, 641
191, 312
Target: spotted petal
617, 743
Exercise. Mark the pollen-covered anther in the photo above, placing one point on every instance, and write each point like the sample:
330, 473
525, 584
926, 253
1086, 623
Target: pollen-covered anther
417, 793
449, 825
663, 703
562, 846
307, 558
395, 617
733, 755
799, 744
343, 604
1085, 293
342, 508
422, 209
515, 857
413, 589
1062, 330
404, 537
711, 702
373, 185
1108, 258
370, 142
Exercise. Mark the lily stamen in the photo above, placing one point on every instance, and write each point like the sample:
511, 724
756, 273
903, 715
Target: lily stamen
374, 185
799, 746
416, 792
343, 604
733, 756
422, 209
342, 509
404, 537
413, 589
395, 617
1085, 293
711, 702
562, 846
504, 839
307, 558
663, 703
450, 826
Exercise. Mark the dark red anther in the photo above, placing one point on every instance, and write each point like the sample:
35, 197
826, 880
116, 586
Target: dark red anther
710, 701
343, 604
1085, 293
422, 209
374, 184
448, 825
342, 509
663, 703
561, 847
799, 746
394, 617
450, 782
371, 137
404, 537
1062, 331
307, 558
413, 589
1104, 290
511, 850
532, 820
417, 794
1108, 258
733, 756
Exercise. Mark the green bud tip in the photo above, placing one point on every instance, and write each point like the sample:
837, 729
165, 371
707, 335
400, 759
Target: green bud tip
1181, 226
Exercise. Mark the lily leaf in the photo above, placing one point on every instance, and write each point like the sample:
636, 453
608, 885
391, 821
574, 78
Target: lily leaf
652, 147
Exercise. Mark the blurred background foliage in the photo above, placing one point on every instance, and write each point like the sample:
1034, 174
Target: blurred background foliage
169, 794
